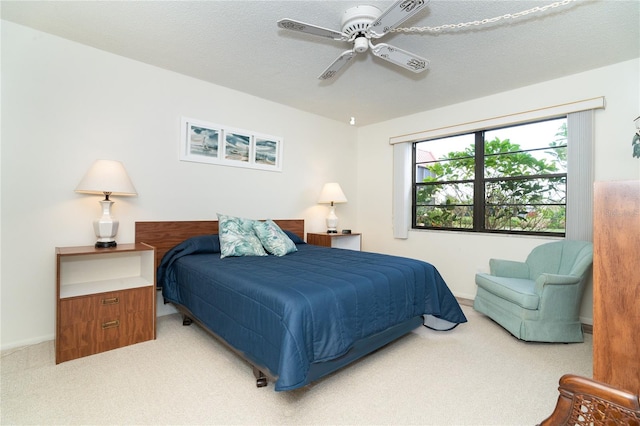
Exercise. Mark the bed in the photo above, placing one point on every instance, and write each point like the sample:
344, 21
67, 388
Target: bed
298, 317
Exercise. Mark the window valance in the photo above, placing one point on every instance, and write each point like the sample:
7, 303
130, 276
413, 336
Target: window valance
502, 121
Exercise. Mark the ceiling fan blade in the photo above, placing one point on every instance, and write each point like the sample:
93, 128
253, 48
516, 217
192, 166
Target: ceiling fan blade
337, 65
395, 15
401, 57
293, 25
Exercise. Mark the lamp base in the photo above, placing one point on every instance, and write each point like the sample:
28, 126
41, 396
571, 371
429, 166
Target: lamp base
107, 244
106, 226
332, 221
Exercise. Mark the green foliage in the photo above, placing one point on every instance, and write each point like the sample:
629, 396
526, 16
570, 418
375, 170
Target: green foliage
524, 204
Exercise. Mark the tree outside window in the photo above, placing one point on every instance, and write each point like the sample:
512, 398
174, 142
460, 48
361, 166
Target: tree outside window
518, 174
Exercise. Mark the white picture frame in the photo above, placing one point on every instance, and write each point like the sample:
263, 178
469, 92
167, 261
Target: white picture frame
205, 142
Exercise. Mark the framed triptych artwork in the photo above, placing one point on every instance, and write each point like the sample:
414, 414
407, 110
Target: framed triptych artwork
204, 142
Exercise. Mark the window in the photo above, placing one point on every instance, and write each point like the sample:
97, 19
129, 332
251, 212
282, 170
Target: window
505, 180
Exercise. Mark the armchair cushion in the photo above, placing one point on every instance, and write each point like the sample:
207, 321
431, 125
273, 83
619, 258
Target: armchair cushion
515, 290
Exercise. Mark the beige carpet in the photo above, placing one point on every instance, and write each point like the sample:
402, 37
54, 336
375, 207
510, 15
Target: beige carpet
476, 374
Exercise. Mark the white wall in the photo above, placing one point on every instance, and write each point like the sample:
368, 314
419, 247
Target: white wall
65, 105
458, 256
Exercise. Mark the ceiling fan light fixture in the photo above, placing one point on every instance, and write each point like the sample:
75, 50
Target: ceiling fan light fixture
361, 44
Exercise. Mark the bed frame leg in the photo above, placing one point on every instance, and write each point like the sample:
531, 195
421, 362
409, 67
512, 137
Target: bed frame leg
261, 379
186, 320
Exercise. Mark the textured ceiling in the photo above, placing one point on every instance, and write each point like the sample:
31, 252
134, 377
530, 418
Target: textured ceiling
237, 44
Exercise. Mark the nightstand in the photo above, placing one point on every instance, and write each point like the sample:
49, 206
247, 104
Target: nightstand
344, 241
106, 298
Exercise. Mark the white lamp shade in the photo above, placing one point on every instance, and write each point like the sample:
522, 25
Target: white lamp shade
106, 176
332, 193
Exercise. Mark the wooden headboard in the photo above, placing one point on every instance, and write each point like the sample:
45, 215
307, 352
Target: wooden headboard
165, 235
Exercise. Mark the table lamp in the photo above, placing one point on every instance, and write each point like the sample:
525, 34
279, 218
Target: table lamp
332, 193
106, 177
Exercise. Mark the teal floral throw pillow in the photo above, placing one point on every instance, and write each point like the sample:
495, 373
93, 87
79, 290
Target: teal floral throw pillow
273, 239
237, 237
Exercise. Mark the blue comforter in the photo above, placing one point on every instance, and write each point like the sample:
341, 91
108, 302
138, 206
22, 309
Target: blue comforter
285, 313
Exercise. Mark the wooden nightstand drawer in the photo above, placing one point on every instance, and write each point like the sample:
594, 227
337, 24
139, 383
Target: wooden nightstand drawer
103, 306
99, 323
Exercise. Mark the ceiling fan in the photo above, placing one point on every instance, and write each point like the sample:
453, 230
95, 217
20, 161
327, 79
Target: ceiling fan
361, 24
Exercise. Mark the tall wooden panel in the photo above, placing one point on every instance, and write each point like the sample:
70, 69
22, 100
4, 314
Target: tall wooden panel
616, 284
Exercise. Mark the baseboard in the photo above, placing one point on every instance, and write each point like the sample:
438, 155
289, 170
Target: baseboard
586, 328
464, 302
28, 342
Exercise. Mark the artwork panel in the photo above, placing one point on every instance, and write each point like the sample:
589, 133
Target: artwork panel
237, 147
204, 141
266, 152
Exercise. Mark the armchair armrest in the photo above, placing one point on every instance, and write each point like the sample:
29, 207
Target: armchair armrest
555, 279
508, 268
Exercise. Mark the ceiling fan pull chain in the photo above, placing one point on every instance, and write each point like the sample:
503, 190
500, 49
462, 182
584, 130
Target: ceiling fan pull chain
484, 21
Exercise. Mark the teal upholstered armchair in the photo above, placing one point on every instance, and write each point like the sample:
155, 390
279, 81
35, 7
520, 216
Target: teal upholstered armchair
539, 299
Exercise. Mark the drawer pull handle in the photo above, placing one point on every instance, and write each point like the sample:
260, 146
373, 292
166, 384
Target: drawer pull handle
111, 301
111, 324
